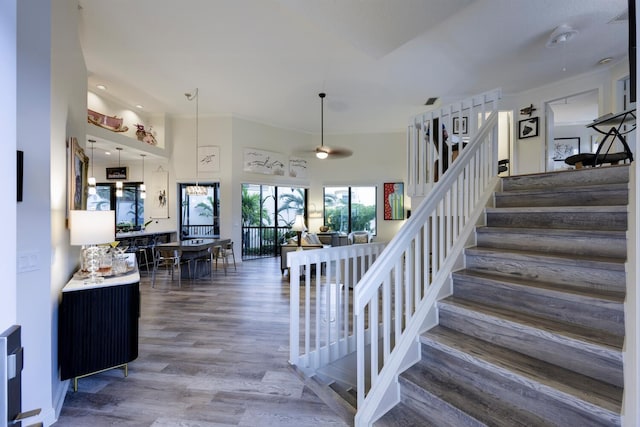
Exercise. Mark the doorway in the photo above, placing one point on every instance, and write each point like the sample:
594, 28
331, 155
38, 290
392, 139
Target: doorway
567, 132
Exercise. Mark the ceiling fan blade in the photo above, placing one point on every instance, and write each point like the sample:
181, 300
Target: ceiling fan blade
336, 152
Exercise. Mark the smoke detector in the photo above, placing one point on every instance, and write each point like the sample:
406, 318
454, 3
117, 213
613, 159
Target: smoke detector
561, 35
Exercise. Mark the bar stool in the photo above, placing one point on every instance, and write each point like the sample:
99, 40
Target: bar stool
142, 246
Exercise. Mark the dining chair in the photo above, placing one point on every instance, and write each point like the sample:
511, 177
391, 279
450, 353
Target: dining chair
227, 250
208, 257
171, 259
218, 254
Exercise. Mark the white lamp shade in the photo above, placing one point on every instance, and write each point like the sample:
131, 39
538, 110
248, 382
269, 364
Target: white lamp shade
92, 227
298, 224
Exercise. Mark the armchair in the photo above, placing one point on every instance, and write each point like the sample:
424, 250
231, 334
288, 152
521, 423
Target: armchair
359, 237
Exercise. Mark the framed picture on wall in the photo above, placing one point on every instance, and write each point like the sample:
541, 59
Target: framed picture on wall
117, 173
77, 164
393, 200
460, 125
528, 128
565, 147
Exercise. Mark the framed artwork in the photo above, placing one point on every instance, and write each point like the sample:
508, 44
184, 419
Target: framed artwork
393, 200
298, 168
209, 158
77, 166
158, 193
565, 147
116, 173
265, 162
528, 128
460, 125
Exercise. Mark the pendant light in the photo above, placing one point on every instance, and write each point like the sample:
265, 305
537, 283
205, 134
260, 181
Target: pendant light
119, 184
320, 152
91, 181
195, 190
143, 188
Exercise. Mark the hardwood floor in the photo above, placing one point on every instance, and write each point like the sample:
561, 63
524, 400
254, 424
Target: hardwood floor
212, 353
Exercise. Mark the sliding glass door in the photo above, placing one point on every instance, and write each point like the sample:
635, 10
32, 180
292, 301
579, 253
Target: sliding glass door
267, 215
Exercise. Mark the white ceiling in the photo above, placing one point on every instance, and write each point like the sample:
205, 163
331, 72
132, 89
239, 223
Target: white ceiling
377, 60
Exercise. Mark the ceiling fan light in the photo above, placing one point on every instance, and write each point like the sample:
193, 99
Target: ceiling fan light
322, 154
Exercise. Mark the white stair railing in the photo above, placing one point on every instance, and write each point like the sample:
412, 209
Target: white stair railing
321, 317
425, 138
400, 290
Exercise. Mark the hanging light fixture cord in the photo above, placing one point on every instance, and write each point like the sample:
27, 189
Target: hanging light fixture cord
196, 190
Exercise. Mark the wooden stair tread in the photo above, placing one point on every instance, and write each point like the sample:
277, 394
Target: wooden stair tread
560, 209
572, 189
403, 415
585, 337
560, 232
587, 261
531, 371
474, 403
557, 288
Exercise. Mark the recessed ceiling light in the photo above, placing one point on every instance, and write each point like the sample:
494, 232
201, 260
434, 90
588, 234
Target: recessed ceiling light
605, 60
101, 87
139, 106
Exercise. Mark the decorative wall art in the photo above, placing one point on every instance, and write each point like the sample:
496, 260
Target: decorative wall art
209, 158
460, 125
528, 128
393, 200
119, 172
298, 168
112, 123
264, 162
565, 147
158, 192
77, 164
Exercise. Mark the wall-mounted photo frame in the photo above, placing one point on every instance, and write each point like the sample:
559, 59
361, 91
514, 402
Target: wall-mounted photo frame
528, 128
77, 164
460, 125
565, 147
117, 173
393, 200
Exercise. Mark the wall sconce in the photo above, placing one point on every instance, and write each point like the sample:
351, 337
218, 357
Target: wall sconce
314, 212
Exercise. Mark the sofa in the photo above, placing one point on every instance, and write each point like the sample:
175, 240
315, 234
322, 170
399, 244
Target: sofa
309, 241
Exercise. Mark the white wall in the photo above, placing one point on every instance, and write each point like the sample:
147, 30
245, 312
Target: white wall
376, 159
8, 53
530, 153
68, 117
51, 92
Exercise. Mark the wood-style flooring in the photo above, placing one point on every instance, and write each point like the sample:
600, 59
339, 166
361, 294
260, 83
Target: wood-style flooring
211, 353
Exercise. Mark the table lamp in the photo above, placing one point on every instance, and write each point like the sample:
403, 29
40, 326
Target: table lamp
298, 226
89, 229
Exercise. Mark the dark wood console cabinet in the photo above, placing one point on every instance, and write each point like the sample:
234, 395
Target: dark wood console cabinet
98, 328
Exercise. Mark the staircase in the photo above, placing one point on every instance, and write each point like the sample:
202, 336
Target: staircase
533, 333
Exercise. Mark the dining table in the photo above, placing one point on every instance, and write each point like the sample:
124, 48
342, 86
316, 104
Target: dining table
193, 249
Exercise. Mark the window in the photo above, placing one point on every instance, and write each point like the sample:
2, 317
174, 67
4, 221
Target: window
200, 214
267, 215
129, 208
348, 209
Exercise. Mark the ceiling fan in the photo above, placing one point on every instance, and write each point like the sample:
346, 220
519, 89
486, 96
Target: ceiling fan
322, 151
